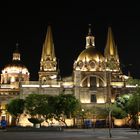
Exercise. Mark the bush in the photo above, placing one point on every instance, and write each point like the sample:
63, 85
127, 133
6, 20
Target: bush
118, 113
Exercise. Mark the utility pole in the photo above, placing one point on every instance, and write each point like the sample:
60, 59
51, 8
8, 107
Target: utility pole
109, 103
108, 82
110, 120
138, 106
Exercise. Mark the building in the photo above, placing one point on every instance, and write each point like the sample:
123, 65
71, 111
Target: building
11, 77
97, 78
93, 72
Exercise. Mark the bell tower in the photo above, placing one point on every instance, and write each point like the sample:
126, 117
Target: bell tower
48, 63
111, 53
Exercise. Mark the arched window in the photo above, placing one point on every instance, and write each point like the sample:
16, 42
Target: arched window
92, 81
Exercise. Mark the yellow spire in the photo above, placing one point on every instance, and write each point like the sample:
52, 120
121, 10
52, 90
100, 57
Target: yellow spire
117, 55
48, 46
43, 55
111, 52
48, 59
110, 49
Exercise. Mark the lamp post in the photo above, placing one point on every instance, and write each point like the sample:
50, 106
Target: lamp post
110, 121
108, 82
138, 99
109, 102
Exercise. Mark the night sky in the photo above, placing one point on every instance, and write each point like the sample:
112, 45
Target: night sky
27, 25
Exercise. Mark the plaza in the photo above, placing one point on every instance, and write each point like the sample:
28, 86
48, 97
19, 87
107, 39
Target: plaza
75, 134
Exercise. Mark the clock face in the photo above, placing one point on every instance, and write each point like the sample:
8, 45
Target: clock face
92, 64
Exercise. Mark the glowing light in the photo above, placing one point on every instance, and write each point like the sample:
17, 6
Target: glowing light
117, 84
55, 85
84, 100
119, 122
132, 86
97, 59
45, 85
68, 84
53, 77
97, 84
125, 77
100, 100
30, 85
5, 86
15, 69
12, 79
112, 100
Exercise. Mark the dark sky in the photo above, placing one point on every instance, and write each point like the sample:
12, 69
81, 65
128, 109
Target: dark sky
27, 25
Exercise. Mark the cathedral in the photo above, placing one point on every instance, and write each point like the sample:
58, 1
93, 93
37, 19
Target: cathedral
97, 78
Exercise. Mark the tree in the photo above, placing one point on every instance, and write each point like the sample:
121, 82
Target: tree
132, 81
122, 101
35, 105
118, 112
16, 108
130, 104
49, 108
66, 106
133, 107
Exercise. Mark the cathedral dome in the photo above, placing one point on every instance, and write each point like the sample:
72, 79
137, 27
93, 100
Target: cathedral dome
89, 59
15, 71
15, 67
90, 54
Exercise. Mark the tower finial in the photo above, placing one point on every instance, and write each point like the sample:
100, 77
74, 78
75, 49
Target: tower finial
16, 54
17, 47
89, 38
89, 29
17, 44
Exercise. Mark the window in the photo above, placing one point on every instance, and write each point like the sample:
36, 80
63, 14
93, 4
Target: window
93, 82
93, 98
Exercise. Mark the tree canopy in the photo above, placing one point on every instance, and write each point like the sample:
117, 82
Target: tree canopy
15, 107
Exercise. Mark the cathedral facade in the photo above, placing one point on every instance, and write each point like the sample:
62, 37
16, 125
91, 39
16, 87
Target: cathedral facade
94, 74
96, 80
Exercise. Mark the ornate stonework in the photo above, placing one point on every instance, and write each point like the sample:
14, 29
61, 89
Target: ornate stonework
48, 64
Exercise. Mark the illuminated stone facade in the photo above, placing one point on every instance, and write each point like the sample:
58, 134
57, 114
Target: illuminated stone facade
96, 80
11, 76
94, 74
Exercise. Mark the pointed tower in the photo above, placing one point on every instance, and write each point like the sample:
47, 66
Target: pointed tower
111, 53
48, 64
